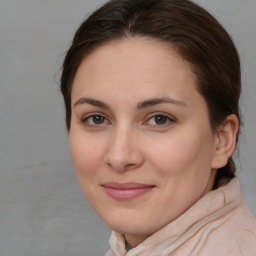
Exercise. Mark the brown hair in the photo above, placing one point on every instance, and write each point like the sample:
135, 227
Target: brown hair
196, 34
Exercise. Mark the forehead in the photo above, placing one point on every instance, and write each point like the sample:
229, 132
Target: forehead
132, 64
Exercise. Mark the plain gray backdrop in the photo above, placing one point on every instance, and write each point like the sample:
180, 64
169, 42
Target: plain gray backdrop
42, 210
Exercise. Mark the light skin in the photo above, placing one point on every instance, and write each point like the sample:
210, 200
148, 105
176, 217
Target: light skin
140, 137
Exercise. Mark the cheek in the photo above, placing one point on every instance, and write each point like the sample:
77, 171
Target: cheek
85, 153
181, 153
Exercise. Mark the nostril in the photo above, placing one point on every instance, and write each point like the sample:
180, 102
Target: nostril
129, 166
122, 154
124, 164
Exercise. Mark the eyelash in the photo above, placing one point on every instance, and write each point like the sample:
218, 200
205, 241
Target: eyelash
86, 119
170, 119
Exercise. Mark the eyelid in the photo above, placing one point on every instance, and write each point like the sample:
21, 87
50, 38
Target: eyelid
161, 113
92, 114
84, 117
170, 117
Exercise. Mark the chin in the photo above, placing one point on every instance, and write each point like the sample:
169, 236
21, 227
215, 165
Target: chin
130, 222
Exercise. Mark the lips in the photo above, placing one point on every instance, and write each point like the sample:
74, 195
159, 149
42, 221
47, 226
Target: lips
126, 191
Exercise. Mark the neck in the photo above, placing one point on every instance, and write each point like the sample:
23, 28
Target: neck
132, 241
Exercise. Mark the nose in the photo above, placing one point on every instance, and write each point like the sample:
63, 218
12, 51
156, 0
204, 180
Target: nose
123, 151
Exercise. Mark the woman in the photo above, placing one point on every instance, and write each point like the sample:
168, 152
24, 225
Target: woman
151, 89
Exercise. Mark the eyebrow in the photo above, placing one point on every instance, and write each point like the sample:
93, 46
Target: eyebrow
140, 105
153, 102
96, 103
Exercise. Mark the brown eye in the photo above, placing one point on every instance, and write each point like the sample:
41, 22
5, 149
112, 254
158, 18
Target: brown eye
98, 119
95, 120
160, 120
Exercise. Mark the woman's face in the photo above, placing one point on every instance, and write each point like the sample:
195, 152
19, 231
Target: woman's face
140, 136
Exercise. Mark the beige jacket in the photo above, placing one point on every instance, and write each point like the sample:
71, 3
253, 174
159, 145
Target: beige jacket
219, 224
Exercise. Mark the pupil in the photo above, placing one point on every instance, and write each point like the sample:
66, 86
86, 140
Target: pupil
98, 119
160, 119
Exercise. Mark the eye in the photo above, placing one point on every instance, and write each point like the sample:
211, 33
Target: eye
95, 120
160, 119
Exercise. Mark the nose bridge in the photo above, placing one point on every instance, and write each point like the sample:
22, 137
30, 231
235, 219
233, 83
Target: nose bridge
123, 150
122, 138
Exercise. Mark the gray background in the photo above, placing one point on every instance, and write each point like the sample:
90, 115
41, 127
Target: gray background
42, 210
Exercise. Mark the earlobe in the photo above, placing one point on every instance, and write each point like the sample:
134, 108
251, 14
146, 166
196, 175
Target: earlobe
225, 141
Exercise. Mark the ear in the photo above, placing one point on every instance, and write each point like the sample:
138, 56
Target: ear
225, 141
